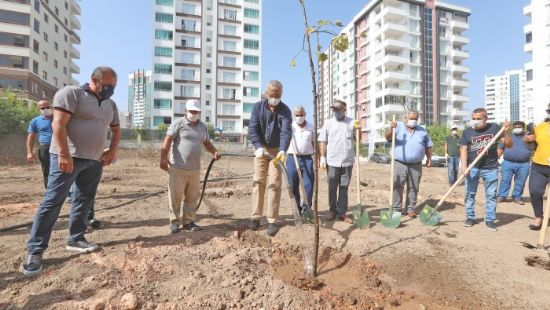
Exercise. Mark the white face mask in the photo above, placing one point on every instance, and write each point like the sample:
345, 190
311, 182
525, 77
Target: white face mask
46, 112
454, 132
477, 123
517, 131
273, 101
193, 117
300, 120
412, 123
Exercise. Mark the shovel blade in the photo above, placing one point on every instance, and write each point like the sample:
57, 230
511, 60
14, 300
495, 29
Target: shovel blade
390, 218
361, 217
429, 217
307, 214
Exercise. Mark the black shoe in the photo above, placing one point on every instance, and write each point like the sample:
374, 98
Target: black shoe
254, 224
32, 265
174, 228
95, 224
491, 225
469, 223
535, 227
272, 229
191, 227
81, 246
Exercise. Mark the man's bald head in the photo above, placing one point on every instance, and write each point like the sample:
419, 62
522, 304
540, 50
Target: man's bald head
43, 104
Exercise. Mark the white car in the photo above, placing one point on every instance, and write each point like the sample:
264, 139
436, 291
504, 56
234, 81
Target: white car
437, 161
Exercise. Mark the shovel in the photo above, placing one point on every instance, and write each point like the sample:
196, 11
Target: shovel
307, 213
429, 215
391, 218
360, 215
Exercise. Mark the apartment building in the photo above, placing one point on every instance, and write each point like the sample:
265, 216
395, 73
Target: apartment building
509, 97
140, 99
210, 51
38, 46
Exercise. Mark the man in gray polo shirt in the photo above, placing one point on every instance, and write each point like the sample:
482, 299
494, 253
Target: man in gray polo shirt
82, 116
337, 152
185, 136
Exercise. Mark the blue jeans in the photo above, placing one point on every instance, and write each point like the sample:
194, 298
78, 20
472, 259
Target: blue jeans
490, 181
85, 176
452, 169
306, 167
520, 172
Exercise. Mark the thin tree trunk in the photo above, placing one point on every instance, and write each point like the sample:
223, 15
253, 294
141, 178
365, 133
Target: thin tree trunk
316, 160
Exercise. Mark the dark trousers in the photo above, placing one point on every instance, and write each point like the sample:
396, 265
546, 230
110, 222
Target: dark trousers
44, 158
306, 168
338, 182
538, 180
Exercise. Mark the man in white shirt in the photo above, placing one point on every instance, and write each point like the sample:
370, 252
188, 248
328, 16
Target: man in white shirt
301, 145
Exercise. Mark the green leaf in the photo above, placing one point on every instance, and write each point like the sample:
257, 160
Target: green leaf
310, 30
293, 63
363, 34
338, 23
323, 22
340, 42
322, 57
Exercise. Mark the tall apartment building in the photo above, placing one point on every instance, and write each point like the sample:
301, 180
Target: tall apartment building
210, 51
508, 97
412, 57
140, 99
37, 46
537, 43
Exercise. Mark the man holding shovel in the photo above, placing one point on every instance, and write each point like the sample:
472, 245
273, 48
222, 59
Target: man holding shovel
473, 141
301, 146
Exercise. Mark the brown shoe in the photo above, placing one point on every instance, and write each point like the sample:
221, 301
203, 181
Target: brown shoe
411, 214
346, 219
519, 202
331, 216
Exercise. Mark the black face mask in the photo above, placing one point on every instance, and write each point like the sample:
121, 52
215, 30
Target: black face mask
107, 91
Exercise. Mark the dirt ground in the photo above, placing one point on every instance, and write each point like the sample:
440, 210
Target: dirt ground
141, 265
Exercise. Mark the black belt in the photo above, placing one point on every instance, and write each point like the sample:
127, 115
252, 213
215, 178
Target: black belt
408, 163
303, 156
516, 162
44, 144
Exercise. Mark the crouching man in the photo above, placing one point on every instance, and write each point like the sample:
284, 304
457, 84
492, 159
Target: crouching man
185, 136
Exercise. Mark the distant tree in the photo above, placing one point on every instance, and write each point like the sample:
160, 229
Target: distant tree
438, 133
163, 127
15, 113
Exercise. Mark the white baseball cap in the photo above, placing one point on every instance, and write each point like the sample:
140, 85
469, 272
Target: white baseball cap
193, 105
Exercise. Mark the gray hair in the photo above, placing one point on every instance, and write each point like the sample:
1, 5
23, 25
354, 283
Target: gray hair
415, 112
299, 108
275, 84
99, 71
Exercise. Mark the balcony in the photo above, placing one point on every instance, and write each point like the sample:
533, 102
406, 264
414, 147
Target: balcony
394, 76
460, 69
391, 108
460, 40
528, 28
394, 91
528, 48
460, 54
75, 8
395, 59
394, 43
460, 98
528, 10
460, 84
75, 39
460, 25
391, 28
75, 24
75, 54
454, 112
395, 12
74, 68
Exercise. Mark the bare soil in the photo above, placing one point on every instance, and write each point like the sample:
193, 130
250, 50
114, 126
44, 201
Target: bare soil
226, 266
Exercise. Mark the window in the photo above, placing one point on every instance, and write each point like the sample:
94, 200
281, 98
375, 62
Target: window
187, 91
251, 60
529, 75
56, 28
66, 22
251, 44
230, 14
45, 75
45, 56
229, 77
45, 37
529, 37
13, 83
248, 107
163, 69
230, 30
56, 11
252, 13
189, 25
251, 91
229, 93
66, 38
55, 46
163, 34
162, 86
14, 39
188, 58
229, 61
163, 104
35, 67
248, 28
164, 17
11, 17
188, 74
163, 51
36, 26
228, 109
55, 63
157, 120
188, 42
228, 126
229, 46
165, 2
37, 5
251, 76
11, 61
55, 81
252, 1
66, 5
46, 18
188, 9
64, 70
65, 54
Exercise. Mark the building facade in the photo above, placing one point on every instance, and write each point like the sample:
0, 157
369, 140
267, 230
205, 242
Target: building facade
509, 97
210, 51
537, 44
408, 54
38, 46
140, 100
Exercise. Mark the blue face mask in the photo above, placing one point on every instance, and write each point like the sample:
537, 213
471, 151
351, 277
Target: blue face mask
338, 115
107, 91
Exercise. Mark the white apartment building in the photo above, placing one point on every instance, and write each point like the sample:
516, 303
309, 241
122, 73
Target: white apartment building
537, 43
413, 57
508, 97
37, 46
140, 99
210, 51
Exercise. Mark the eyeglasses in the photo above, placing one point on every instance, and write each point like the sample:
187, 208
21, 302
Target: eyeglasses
44, 108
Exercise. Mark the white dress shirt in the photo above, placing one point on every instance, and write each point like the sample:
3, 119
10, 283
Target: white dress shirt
302, 139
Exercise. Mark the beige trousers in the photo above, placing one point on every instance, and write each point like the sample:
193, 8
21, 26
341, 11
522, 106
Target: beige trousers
183, 185
266, 173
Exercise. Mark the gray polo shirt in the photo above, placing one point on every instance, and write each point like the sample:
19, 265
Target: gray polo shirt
187, 146
338, 135
89, 123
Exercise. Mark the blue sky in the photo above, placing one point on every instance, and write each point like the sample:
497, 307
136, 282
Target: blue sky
119, 34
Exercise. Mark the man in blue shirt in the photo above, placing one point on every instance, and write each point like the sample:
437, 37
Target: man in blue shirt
516, 164
411, 144
41, 126
270, 131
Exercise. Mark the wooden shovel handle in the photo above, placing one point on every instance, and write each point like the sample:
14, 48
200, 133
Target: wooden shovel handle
300, 179
357, 138
546, 217
392, 164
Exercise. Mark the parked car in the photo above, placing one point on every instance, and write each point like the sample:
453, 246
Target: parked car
380, 158
437, 161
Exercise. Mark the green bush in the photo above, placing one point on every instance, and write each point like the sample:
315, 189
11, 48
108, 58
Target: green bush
15, 113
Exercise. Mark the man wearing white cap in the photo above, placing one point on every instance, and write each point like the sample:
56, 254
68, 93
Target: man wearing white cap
185, 135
